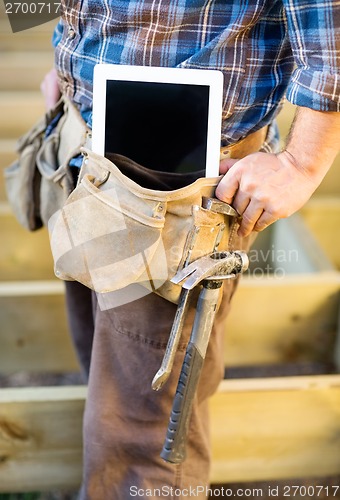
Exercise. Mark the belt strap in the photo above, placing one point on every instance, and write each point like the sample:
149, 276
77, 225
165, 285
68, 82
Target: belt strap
74, 133
250, 144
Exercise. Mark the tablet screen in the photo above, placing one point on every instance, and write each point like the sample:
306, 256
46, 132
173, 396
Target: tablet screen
162, 126
166, 119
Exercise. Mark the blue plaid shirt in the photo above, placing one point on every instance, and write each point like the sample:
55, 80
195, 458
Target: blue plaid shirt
266, 49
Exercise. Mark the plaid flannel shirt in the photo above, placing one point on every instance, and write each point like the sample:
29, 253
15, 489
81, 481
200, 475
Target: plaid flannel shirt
266, 49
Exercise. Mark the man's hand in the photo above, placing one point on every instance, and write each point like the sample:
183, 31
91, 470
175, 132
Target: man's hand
50, 89
265, 187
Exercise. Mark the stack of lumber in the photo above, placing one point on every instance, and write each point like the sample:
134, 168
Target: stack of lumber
40, 428
286, 312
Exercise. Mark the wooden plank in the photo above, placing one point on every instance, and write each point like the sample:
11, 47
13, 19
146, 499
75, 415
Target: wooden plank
24, 70
36, 39
296, 250
7, 156
301, 329
19, 112
286, 309
30, 288
322, 215
265, 429
40, 438
286, 322
262, 429
286, 248
330, 186
24, 255
283, 320
7, 152
34, 334
285, 118
289, 318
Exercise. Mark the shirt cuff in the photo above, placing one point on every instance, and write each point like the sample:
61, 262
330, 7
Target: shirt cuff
317, 90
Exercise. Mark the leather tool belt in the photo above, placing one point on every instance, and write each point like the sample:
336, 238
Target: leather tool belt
122, 223
40, 180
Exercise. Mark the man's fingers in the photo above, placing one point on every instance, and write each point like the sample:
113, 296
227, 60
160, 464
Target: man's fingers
226, 164
240, 202
264, 221
247, 196
227, 187
255, 218
250, 218
50, 89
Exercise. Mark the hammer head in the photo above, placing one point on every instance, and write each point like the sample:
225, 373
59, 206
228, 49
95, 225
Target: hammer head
218, 265
218, 206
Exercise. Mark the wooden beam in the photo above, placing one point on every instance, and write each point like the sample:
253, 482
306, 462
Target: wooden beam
34, 334
299, 325
330, 186
286, 308
40, 438
265, 429
7, 152
288, 321
24, 255
7, 156
283, 320
23, 70
296, 249
34, 39
280, 318
19, 112
285, 119
262, 429
322, 215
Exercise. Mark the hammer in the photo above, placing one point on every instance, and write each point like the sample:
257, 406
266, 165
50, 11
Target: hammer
164, 371
210, 270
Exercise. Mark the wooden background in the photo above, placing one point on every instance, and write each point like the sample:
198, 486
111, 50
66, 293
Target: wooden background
264, 427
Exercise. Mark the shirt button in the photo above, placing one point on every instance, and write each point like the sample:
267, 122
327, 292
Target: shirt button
71, 33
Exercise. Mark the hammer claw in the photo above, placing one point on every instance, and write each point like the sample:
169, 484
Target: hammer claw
217, 264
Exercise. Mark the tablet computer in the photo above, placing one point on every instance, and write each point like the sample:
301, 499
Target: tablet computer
166, 119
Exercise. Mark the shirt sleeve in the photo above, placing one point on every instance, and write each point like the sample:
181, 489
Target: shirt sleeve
314, 32
57, 33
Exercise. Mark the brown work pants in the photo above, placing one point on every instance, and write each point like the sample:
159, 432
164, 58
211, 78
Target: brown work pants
125, 421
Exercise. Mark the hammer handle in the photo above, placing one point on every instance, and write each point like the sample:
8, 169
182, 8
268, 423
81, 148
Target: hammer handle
175, 440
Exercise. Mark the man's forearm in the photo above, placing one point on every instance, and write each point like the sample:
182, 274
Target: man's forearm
313, 141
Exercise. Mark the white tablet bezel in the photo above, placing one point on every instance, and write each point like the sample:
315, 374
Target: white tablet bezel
211, 78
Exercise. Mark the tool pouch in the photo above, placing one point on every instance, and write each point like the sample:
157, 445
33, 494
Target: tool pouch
39, 181
126, 224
